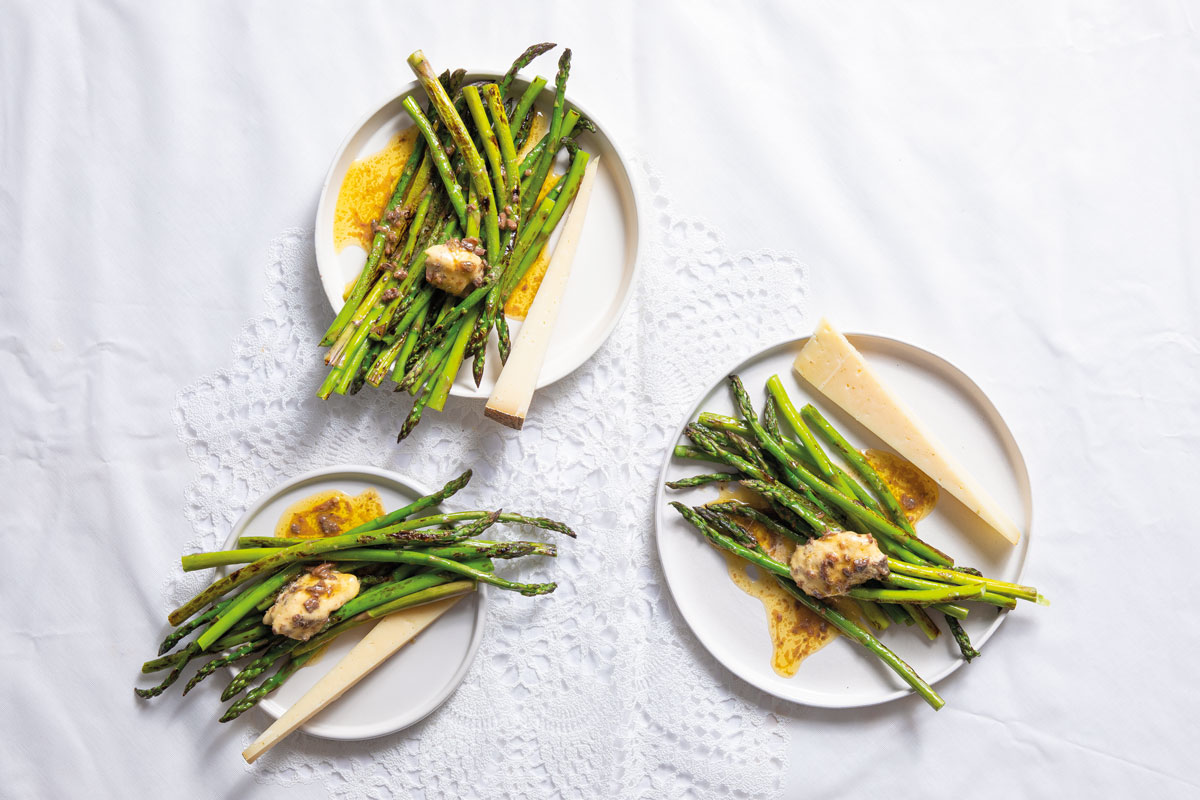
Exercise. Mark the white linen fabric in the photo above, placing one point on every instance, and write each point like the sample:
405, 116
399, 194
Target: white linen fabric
1012, 186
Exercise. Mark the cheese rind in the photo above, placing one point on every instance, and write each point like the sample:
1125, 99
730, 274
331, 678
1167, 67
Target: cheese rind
514, 389
389, 635
830, 363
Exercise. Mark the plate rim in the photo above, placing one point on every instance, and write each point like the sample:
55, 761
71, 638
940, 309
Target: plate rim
821, 700
545, 379
271, 707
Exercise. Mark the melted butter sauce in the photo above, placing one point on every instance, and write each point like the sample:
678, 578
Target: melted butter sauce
521, 299
913, 489
366, 189
796, 633
328, 513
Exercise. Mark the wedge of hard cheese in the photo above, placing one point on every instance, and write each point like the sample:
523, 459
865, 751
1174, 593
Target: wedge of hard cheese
389, 635
514, 389
830, 363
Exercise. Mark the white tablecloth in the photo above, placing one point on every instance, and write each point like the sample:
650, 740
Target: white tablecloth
1013, 186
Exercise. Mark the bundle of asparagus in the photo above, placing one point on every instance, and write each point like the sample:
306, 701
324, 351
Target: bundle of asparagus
808, 499
457, 236
394, 562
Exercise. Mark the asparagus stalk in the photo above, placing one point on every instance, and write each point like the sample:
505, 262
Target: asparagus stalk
770, 420
504, 136
957, 576
511, 193
239, 636
177, 635
719, 422
824, 465
440, 159
462, 140
754, 515
456, 552
474, 548
225, 660
410, 342
488, 138
190, 652
388, 357
522, 61
701, 480
524, 106
961, 639
428, 596
860, 465
991, 598
917, 615
448, 490
555, 133
258, 666
392, 590
252, 698
244, 604
418, 408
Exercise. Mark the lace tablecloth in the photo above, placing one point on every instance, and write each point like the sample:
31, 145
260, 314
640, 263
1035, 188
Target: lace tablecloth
606, 651
1012, 188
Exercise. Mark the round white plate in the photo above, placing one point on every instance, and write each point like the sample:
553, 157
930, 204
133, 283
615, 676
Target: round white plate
421, 675
732, 624
602, 275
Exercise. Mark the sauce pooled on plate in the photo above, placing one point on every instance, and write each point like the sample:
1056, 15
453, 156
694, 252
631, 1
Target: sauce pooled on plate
366, 189
328, 513
914, 490
796, 632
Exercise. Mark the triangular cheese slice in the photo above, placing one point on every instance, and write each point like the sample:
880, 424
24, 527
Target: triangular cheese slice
830, 363
514, 389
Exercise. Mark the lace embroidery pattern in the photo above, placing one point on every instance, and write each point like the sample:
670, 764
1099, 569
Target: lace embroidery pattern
598, 689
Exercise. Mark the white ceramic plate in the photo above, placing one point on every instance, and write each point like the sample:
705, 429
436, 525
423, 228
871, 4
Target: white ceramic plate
420, 676
732, 624
602, 276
